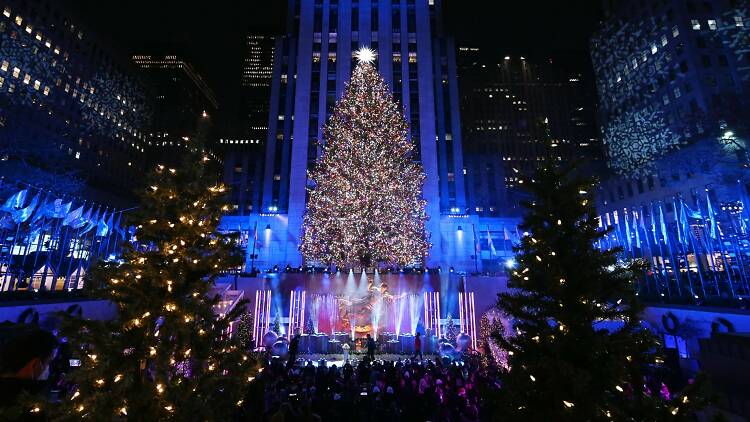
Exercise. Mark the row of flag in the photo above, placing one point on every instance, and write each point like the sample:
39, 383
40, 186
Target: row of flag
40, 211
630, 227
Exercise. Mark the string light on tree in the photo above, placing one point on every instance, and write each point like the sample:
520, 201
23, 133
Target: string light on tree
168, 338
366, 205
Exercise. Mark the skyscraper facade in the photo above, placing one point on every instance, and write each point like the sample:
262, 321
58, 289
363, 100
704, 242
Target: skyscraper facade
183, 103
669, 74
673, 79
312, 63
257, 72
515, 111
243, 150
70, 108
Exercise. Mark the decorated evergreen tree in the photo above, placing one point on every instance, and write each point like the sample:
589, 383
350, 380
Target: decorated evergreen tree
166, 355
245, 330
366, 205
309, 327
579, 351
276, 327
451, 329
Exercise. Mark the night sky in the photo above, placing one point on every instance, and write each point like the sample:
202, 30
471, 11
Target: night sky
210, 34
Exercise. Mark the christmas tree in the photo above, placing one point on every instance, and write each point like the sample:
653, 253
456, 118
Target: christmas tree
309, 327
245, 330
451, 330
563, 364
366, 205
276, 327
166, 355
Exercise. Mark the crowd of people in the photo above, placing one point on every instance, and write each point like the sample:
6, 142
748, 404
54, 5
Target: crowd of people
368, 390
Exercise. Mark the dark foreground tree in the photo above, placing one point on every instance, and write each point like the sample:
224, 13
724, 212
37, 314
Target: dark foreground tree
167, 355
579, 351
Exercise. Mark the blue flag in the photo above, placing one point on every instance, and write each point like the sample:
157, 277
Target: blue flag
102, 227
19, 216
635, 227
711, 217
92, 222
16, 201
653, 223
74, 217
627, 231
118, 226
662, 225
684, 222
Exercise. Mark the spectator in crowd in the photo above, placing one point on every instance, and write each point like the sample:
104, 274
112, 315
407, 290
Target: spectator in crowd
370, 391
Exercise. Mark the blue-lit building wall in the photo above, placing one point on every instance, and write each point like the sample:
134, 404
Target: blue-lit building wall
670, 74
67, 105
312, 63
673, 80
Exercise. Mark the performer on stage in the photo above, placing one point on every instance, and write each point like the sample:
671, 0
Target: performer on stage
293, 350
418, 346
371, 346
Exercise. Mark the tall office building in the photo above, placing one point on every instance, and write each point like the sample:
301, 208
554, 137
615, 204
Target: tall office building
182, 100
257, 72
242, 149
70, 108
673, 79
312, 63
507, 107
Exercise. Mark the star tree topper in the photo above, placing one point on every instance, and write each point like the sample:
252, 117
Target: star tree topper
366, 55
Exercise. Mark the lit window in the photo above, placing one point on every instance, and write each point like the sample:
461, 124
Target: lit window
6, 12
2, 81
663, 40
738, 22
696, 24
276, 177
675, 31
654, 49
712, 24
677, 93
666, 99
37, 85
19, 20
78, 155
46, 90
4, 66
28, 29
38, 36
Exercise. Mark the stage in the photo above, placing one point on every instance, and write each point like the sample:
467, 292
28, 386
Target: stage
331, 309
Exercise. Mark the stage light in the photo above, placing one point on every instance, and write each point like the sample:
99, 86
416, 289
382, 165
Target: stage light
510, 263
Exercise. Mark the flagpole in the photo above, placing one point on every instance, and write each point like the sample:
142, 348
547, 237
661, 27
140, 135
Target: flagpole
698, 262
648, 244
476, 264
710, 262
76, 240
684, 246
10, 258
252, 255
47, 264
665, 240
109, 236
738, 252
